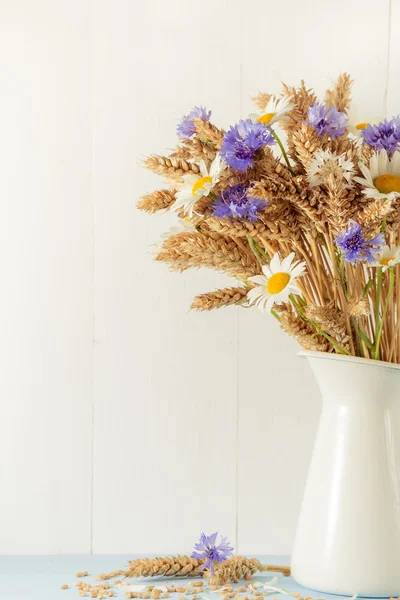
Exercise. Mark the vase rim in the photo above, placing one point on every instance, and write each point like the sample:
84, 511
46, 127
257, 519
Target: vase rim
344, 358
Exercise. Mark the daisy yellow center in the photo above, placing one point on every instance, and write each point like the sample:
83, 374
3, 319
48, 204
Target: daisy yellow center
387, 183
267, 118
361, 126
385, 261
200, 183
277, 282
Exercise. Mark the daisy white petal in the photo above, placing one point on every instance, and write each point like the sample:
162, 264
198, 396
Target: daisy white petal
298, 270
275, 263
258, 279
383, 162
267, 271
389, 256
395, 163
203, 168
382, 178
269, 303
276, 109
287, 262
216, 167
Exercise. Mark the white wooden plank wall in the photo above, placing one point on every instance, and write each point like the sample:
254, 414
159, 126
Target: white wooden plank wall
46, 266
131, 424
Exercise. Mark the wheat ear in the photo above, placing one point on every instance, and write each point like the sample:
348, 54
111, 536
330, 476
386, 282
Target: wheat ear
240, 567
160, 200
220, 298
166, 566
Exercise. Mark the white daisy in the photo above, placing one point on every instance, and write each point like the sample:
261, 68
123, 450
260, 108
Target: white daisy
389, 256
358, 122
277, 283
184, 226
196, 186
382, 178
325, 163
275, 110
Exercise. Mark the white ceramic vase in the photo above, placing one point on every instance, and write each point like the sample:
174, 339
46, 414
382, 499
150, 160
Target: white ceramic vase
348, 534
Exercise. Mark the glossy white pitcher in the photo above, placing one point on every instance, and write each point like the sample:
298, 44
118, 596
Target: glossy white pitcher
348, 534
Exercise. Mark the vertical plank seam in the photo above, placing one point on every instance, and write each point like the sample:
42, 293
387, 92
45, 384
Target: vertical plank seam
389, 35
237, 429
91, 8
238, 361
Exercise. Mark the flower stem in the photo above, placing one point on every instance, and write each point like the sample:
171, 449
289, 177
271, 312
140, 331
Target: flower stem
285, 156
378, 301
380, 328
275, 314
296, 304
254, 249
262, 252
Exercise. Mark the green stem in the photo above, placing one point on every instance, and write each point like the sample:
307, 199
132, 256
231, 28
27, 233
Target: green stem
285, 156
367, 287
378, 300
385, 308
275, 314
262, 252
253, 248
331, 340
296, 304
362, 337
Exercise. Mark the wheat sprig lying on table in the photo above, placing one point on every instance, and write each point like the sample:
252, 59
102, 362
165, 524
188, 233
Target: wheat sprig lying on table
233, 569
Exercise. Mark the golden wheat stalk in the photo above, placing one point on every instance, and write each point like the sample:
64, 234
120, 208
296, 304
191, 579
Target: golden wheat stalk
261, 100
220, 298
331, 321
183, 251
302, 331
340, 95
209, 132
160, 200
170, 166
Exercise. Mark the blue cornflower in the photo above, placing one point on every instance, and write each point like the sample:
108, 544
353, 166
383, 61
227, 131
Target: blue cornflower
206, 549
327, 120
384, 136
186, 128
236, 202
242, 141
355, 247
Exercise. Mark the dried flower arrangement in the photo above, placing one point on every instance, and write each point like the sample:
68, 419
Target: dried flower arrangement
311, 235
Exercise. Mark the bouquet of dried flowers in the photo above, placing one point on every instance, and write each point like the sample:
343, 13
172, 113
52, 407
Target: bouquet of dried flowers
306, 221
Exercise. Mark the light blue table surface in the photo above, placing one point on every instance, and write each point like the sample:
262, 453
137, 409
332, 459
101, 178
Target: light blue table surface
41, 577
